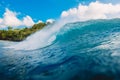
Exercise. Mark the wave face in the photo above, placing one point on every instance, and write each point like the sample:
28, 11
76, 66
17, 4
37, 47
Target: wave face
87, 50
94, 34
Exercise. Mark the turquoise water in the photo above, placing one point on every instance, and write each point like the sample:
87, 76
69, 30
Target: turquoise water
81, 51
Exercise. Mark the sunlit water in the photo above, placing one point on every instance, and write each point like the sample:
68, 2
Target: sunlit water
82, 51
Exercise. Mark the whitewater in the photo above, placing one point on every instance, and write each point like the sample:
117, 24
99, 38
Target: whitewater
42, 38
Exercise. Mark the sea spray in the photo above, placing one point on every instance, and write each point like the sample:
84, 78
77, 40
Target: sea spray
41, 38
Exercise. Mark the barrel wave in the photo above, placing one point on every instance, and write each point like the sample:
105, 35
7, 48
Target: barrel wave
88, 50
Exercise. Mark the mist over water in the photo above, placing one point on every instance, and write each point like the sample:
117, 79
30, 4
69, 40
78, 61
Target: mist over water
39, 39
42, 38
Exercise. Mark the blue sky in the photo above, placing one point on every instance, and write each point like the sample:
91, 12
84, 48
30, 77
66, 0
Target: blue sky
40, 9
43, 9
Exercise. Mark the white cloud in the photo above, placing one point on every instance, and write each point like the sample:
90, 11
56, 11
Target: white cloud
40, 21
27, 21
95, 10
10, 19
50, 21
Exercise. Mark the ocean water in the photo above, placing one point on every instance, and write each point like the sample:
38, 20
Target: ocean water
87, 50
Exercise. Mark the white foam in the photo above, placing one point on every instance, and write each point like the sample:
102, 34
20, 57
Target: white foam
112, 44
